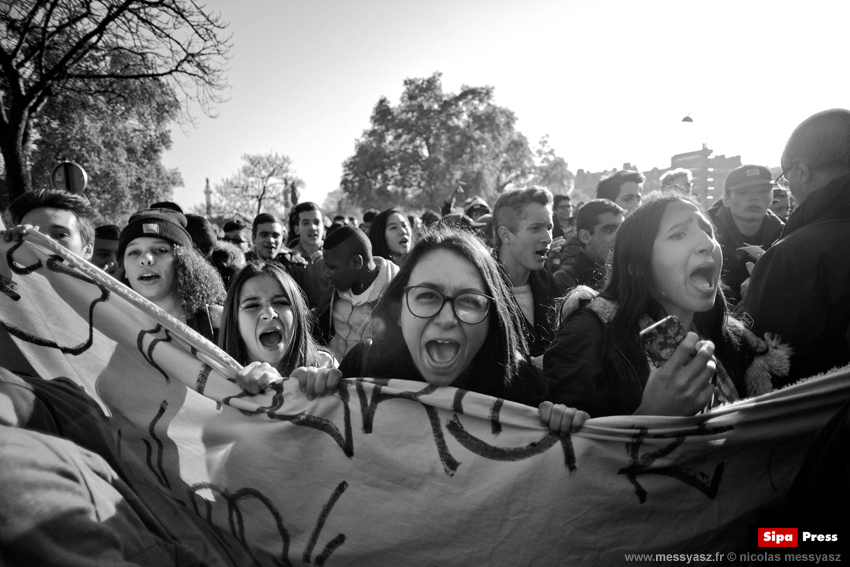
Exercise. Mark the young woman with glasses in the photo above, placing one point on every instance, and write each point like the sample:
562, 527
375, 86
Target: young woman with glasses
448, 319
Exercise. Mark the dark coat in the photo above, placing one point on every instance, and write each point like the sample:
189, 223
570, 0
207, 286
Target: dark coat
800, 288
735, 265
585, 271
586, 370
545, 290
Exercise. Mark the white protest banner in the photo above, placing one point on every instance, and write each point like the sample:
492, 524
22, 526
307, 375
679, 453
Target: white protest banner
392, 472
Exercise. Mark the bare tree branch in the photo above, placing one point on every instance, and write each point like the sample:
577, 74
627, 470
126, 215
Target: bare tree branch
89, 47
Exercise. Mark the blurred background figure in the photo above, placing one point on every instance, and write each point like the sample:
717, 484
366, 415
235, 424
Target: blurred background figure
105, 254
237, 232
227, 259
368, 217
430, 217
782, 203
202, 232
679, 179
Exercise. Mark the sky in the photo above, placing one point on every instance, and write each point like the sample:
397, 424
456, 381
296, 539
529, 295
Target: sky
608, 81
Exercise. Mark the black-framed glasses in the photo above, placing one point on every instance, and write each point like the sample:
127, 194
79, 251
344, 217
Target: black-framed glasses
425, 302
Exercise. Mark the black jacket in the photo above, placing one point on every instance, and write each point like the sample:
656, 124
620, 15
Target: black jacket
586, 370
546, 291
585, 271
800, 289
735, 265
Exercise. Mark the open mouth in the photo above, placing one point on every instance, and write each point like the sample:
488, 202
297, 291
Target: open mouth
542, 252
703, 277
442, 352
271, 338
148, 278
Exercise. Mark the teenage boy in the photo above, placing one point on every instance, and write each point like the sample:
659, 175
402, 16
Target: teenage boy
357, 281
267, 235
597, 223
623, 188
522, 223
64, 217
745, 225
310, 228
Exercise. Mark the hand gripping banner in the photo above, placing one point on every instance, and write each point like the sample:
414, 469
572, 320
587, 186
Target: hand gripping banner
391, 472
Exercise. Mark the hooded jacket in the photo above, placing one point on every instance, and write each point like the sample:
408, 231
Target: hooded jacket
345, 318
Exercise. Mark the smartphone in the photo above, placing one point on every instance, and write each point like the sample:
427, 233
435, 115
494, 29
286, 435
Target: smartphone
661, 339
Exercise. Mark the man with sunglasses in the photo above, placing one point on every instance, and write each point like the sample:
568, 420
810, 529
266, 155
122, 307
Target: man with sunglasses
800, 288
745, 225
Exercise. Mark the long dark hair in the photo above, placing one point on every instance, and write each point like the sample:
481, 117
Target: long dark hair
378, 234
500, 368
629, 283
303, 351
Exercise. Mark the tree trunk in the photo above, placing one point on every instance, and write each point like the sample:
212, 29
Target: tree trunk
17, 172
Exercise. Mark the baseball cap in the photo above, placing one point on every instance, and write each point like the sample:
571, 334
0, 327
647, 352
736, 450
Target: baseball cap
747, 176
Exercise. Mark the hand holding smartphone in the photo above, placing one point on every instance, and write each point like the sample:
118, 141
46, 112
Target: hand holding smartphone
661, 339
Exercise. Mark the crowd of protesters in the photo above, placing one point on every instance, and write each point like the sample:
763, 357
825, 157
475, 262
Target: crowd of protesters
529, 298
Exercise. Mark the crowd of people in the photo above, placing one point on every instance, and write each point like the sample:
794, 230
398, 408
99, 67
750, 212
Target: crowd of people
528, 299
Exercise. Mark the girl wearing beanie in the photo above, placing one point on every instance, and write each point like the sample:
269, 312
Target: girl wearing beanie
162, 265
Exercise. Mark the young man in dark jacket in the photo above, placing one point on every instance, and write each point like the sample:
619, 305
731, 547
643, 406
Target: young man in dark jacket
522, 223
744, 222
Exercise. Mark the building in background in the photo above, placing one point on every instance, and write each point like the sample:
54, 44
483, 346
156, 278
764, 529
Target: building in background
709, 174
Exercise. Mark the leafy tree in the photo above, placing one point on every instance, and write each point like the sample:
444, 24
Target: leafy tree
551, 171
264, 184
89, 48
416, 152
120, 146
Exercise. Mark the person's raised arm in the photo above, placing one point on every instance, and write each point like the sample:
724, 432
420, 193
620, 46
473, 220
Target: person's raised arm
449, 203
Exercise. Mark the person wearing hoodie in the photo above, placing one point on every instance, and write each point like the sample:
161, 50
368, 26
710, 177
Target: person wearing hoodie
357, 281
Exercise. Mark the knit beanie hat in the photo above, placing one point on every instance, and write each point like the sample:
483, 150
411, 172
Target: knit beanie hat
155, 223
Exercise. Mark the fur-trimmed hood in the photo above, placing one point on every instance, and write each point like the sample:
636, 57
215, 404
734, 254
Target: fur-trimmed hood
771, 358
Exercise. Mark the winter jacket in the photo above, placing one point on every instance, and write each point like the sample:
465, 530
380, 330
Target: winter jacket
586, 370
800, 289
735, 265
546, 291
345, 318
310, 277
585, 271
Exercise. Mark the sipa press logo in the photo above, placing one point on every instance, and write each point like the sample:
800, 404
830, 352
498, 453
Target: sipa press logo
777, 537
